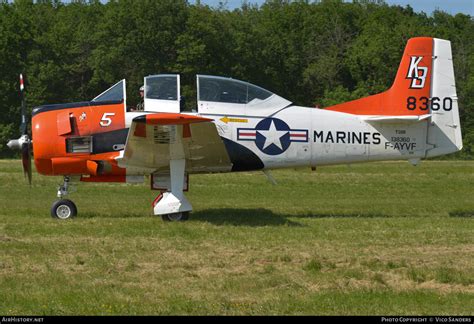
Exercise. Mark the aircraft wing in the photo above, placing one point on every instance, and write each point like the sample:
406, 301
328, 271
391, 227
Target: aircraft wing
155, 139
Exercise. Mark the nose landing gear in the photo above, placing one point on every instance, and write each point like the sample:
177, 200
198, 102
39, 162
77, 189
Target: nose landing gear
63, 208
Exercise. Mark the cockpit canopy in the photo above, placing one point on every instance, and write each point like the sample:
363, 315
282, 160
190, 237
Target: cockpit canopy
219, 95
219, 89
214, 95
163, 87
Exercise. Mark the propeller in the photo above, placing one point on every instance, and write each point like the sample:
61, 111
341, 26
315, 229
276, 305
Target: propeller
24, 143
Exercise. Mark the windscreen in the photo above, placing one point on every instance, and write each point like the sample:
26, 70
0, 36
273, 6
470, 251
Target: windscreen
114, 93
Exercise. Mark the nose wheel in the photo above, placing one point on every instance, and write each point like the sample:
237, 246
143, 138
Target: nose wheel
63, 209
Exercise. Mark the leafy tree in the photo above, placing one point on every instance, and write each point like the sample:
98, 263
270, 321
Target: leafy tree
311, 52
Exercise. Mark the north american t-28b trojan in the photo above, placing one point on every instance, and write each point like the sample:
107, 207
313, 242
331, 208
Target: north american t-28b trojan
238, 126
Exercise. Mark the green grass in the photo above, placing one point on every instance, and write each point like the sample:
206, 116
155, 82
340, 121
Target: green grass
368, 239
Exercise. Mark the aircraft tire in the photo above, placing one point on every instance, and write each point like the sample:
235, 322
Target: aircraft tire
63, 209
176, 217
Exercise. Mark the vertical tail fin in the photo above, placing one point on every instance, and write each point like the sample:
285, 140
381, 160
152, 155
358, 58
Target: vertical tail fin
413, 80
424, 85
444, 131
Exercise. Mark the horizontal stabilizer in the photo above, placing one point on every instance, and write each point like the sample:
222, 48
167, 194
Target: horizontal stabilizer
395, 119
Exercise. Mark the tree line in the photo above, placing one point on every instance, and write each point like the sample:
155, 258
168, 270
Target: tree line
310, 52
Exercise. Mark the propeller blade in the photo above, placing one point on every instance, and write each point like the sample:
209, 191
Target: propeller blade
26, 160
23, 143
24, 122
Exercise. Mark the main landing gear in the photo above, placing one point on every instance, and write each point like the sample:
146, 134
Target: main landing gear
171, 204
64, 208
176, 217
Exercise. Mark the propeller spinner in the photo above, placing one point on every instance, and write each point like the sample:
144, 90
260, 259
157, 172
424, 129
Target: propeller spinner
24, 143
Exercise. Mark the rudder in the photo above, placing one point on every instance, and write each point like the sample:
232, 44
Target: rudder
444, 130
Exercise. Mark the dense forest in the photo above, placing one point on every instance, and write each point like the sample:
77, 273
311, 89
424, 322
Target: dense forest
310, 52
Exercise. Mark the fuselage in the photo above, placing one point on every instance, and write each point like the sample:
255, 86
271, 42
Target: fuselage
87, 139
259, 129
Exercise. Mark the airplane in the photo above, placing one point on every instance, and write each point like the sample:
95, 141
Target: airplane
238, 126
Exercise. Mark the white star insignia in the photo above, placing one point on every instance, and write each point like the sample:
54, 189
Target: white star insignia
272, 136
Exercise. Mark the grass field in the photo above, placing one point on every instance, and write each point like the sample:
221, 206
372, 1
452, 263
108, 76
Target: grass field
369, 239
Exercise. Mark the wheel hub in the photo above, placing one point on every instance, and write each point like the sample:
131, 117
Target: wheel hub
175, 216
63, 211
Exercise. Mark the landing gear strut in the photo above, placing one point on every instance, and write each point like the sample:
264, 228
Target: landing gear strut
63, 208
172, 204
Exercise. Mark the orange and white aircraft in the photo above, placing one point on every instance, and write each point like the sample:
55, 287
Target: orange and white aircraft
238, 126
